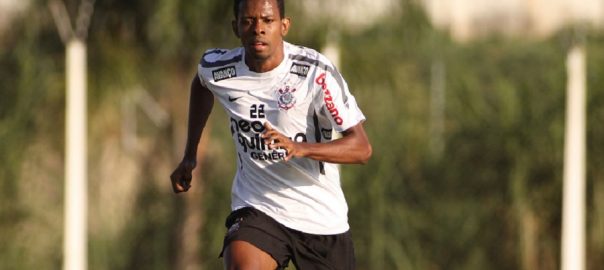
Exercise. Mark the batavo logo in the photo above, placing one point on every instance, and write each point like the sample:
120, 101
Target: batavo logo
299, 69
331, 107
224, 73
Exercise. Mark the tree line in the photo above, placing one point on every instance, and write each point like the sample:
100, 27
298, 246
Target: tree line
473, 181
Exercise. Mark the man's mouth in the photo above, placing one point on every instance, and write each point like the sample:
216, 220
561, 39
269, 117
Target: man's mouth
258, 45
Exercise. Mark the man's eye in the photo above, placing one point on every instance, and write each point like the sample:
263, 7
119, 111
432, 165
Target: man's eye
268, 20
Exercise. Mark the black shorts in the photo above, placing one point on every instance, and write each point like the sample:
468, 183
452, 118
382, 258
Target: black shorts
306, 251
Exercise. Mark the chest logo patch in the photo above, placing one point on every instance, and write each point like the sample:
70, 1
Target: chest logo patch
224, 73
286, 99
299, 69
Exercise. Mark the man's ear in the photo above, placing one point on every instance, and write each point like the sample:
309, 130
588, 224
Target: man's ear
235, 28
285, 23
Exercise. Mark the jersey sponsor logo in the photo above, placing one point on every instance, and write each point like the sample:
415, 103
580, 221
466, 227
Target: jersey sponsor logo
267, 156
299, 69
286, 99
224, 73
249, 136
331, 107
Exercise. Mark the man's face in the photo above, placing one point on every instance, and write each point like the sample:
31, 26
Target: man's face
260, 28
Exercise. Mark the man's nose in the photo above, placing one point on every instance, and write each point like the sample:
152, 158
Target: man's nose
259, 28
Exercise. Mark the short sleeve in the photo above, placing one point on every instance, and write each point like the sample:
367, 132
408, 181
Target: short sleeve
334, 99
202, 79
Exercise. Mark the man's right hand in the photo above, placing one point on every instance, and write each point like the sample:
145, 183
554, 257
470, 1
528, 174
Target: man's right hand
182, 175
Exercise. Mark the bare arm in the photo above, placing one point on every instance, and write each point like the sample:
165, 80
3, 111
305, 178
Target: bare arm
201, 102
352, 148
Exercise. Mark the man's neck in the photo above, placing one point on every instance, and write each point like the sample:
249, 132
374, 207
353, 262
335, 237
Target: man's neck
265, 65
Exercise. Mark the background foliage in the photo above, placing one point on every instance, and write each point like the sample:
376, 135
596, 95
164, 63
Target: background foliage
490, 198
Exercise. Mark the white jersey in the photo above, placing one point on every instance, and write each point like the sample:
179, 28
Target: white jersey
304, 98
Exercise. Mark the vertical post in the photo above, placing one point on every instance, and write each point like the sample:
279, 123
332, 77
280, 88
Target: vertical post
331, 50
573, 208
75, 249
76, 202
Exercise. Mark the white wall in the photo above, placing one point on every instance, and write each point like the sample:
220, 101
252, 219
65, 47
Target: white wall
466, 19
351, 13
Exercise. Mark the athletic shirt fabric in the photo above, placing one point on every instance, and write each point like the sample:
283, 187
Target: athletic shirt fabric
305, 98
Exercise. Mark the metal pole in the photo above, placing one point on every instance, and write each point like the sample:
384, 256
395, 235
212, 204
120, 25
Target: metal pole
573, 208
75, 249
76, 201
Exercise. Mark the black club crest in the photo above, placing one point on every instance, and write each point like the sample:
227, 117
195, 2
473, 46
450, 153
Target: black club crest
286, 99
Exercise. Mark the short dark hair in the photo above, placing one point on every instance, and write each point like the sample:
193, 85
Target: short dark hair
280, 4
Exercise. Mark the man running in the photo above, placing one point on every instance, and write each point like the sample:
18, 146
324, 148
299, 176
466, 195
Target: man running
283, 102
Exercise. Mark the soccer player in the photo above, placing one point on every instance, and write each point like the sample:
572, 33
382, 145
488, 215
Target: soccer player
283, 101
